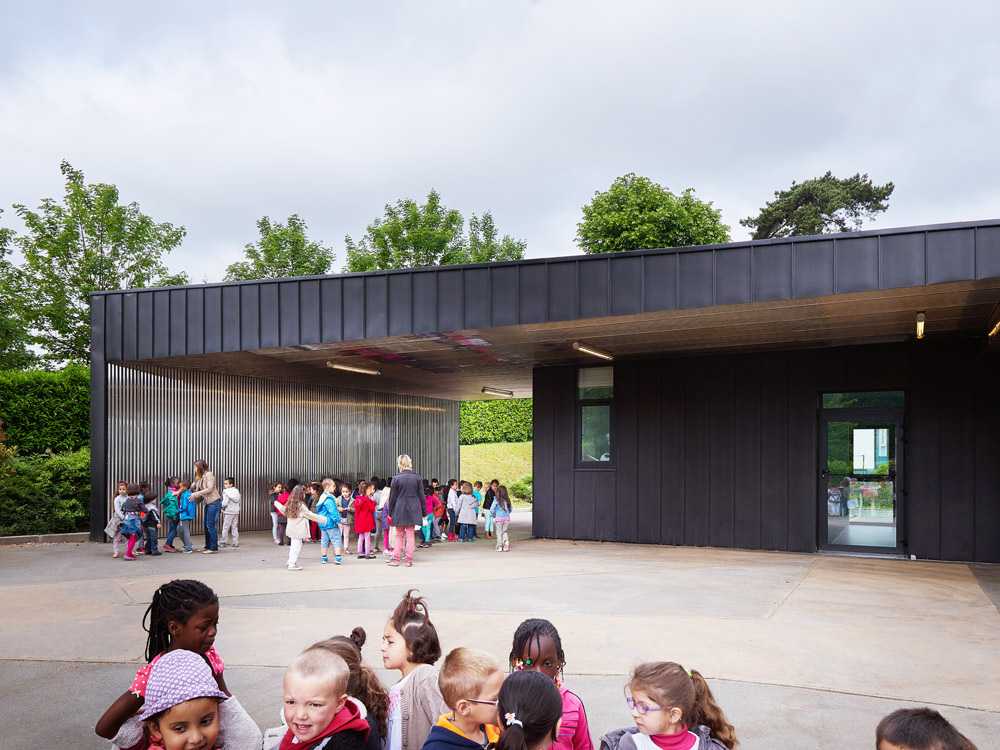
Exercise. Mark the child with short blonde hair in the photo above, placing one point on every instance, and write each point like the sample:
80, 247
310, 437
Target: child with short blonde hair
470, 682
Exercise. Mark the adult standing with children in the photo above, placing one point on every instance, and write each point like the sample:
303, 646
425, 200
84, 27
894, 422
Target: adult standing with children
205, 489
406, 498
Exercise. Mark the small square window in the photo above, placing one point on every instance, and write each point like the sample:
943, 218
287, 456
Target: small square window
595, 383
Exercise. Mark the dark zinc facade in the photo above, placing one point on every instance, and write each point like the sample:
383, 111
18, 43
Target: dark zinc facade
763, 395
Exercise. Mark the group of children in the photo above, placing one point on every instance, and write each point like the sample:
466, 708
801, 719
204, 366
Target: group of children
138, 514
332, 699
333, 513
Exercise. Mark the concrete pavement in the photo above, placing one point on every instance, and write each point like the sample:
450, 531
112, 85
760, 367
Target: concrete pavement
801, 649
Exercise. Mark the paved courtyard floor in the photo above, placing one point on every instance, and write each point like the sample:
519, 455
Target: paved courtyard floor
801, 650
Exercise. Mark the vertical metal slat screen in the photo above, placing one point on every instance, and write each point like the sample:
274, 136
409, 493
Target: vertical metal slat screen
160, 420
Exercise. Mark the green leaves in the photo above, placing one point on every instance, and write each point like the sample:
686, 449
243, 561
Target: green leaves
89, 242
44, 494
411, 235
283, 250
28, 401
636, 213
820, 205
507, 421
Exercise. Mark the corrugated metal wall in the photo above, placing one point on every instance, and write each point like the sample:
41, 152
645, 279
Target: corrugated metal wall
160, 420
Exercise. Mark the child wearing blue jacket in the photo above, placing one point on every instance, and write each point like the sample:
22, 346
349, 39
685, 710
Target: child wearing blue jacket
501, 510
186, 509
330, 534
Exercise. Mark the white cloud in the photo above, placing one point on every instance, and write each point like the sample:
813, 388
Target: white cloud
211, 116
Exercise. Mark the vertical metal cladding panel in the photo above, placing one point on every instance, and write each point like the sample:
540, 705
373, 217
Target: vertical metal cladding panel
261, 431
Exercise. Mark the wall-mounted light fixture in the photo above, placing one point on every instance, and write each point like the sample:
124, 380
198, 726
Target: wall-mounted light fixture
995, 330
353, 368
498, 391
587, 349
921, 320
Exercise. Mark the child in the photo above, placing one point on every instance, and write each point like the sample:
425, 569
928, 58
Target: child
140, 547
183, 615
171, 512
330, 534
674, 708
470, 682
185, 709
315, 492
346, 507
363, 684
277, 520
297, 517
132, 512
529, 708
230, 512
317, 711
380, 499
488, 498
919, 729
538, 648
438, 530
427, 527
186, 511
466, 513
500, 512
452, 506
364, 520
410, 645
113, 529
150, 523
279, 502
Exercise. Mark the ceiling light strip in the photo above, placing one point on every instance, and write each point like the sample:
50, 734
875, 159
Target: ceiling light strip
587, 349
353, 368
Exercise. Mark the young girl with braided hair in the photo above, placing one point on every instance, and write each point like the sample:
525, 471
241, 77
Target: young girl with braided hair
184, 614
410, 645
363, 684
673, 709
530, 710
537, 647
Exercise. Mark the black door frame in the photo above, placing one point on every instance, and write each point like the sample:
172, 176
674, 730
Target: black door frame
884, 415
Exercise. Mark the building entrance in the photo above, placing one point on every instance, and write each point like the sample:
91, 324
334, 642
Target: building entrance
861, 480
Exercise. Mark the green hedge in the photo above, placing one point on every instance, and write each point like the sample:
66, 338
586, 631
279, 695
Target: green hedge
507, 421
44, 494
46, 411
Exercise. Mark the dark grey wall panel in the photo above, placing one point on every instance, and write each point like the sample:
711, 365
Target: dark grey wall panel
660, 282
563, 289
178, 323
697, 477
856, 264
353, 308
288, 301
626, 285
987, 439
478, 304
450, 301
901, 260
650, 488
161, 324
270, 316
732, 276
772, 272
673, 456
720, 477
101, 322
564, 456
331, 317
542, 452
425, 302
951, 255
697, 280
594, 288
231, 328
532, 287
589, 489
376, 307
746, 454
111, 333
988, 252
625, 423
812, 269
504, 300
196, 321
250, 316
400, 305
213, 320
145, 312
309, 307
774, 456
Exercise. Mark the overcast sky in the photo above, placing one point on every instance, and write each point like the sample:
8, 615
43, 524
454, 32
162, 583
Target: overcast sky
211, 115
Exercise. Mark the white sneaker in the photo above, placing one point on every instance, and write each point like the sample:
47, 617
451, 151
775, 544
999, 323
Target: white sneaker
295, 567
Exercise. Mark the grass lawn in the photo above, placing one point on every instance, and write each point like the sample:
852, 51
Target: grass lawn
507, 462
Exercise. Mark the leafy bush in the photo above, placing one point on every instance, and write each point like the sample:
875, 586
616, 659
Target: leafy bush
522, 489
506, 421
44, 494
46, 411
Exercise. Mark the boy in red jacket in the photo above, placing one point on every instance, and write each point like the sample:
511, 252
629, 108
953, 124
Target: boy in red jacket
316, 706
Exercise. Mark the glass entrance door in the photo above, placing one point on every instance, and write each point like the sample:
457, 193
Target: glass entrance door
859, 488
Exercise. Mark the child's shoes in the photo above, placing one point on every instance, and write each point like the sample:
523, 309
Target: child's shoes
324, 559
338, 560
